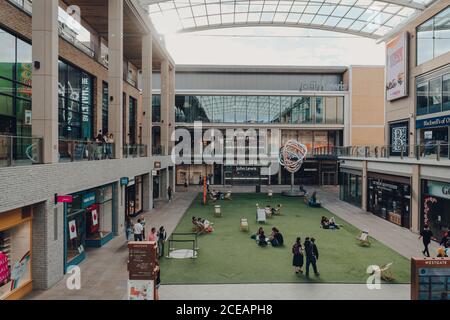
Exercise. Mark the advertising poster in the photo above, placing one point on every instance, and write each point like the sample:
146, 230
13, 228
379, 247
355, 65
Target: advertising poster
94, 218
397, 67
72, 229
141, 289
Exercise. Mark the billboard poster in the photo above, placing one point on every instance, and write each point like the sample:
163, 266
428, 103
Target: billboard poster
397, 67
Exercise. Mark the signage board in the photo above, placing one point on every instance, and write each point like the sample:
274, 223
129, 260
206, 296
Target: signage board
64, 199
141, 290
124, 181
155, 173
88, 200
433, 122
430, 278
397, 67
142, 260
439, 189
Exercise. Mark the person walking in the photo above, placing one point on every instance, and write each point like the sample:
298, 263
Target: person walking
128, 228
426, 236
310, 257
169, 193
162, 236
137, 230
297, 251
315, 250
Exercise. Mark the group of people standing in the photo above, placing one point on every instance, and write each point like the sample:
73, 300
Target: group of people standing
138, 229
309, 250
105, 141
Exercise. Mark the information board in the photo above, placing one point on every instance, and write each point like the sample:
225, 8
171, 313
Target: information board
430, 279
142, 260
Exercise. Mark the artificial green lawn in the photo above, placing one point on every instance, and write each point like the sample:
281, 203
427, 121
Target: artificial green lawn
230, 256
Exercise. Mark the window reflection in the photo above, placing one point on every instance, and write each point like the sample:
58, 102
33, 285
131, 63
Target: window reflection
257, 109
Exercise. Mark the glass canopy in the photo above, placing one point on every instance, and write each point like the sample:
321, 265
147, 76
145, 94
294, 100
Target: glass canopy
366, 18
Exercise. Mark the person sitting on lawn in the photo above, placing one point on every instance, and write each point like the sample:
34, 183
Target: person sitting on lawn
262, 242
313, 201
206, 225
325, 223
256, 236
332, 224
276, 238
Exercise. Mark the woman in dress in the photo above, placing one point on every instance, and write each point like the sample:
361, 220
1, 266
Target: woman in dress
297, 251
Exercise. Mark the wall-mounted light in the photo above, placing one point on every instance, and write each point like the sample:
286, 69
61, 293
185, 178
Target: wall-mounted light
111, 98
37, 65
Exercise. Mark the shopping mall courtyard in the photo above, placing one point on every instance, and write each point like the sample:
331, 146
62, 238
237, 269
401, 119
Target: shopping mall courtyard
230, 256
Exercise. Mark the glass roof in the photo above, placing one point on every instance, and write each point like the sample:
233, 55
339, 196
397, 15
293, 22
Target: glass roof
366, 18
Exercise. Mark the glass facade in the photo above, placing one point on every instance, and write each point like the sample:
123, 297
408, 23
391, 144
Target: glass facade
260, 109
433, 94
132, 120
156, 108
75, 103
351, 188
15, 86
433, 37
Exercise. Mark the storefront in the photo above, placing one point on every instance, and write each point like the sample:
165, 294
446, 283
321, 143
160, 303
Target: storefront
88, 222
435, 206
351, 187
15, 253
433, 136
134, 194
389, 197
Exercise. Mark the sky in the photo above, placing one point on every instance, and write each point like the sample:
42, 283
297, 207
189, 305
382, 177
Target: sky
270, 46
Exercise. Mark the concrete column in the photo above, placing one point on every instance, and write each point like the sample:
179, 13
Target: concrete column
168, 183
115, 73
165, 103
126, 119
171, 110
148, 192
147, 71
174, 179
119, 209
45, 77
364, 186
415, 198
47, 244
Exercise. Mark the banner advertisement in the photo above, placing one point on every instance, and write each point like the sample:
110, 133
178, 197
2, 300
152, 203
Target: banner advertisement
397, 67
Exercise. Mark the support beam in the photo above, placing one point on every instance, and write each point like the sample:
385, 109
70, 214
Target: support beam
45, 77
364, 186
165, 103
415, 199
147, 70
115, 74
171, 110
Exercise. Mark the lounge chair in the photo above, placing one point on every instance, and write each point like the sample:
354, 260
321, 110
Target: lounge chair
268, 211
227, 196
270, 193
212, 198
386, 273
278, 210
364, 239
244, 225
261, 215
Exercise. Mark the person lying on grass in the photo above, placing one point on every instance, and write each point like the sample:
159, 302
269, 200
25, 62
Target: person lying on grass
203, 225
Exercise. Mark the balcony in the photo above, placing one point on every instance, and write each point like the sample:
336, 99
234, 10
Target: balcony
76, 150
134, 151
20, 151
436, 151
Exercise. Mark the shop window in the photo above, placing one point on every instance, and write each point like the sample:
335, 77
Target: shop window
218, 109
263, 109
252, 109
320, 110
422, 98
241, 109
446, 92
156, 109
275, 105
432, 37
229, 109
435, 95
286, 110
15, 258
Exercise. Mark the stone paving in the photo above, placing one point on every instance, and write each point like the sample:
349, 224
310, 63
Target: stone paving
104, 274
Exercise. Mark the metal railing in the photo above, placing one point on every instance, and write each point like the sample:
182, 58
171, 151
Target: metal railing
428, 151
75, 150
134, 151
17, 151
158, 150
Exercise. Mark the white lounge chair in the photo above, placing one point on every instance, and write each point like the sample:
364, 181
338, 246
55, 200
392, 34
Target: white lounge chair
261, 215
364, 238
